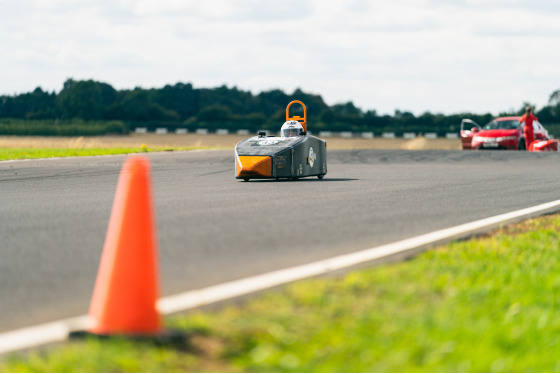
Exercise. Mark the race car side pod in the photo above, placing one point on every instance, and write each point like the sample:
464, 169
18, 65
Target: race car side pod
127, 285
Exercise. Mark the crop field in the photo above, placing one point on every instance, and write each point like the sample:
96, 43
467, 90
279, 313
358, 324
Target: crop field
173, 141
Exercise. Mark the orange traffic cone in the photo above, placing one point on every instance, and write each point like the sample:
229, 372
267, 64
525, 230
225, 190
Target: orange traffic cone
126, 289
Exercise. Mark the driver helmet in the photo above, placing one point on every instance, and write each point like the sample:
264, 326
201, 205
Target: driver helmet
291, 129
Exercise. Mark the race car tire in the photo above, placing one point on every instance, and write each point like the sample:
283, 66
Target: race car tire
246, 179
320, 176
522, 146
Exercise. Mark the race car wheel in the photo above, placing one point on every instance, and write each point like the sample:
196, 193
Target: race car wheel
320, 176
246, 179
295, 178
522, 146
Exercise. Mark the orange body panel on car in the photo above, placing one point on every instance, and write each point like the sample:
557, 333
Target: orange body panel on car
254, 166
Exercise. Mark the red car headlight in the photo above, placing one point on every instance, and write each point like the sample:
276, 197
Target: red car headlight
506, 138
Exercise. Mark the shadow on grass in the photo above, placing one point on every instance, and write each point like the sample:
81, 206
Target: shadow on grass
169, 339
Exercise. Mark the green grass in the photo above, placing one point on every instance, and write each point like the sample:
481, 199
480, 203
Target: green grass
29, 153
75, 127
484, 305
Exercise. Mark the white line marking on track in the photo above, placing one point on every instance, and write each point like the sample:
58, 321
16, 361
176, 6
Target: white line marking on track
41, 334
58, 331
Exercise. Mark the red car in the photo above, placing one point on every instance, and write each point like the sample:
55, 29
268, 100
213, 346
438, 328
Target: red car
500, 133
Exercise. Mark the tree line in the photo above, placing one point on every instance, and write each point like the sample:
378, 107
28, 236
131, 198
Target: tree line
91, 103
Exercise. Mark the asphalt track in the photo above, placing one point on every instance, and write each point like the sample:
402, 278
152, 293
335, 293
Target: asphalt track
213, 228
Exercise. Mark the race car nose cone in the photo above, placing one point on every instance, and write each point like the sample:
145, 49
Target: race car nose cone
254, 166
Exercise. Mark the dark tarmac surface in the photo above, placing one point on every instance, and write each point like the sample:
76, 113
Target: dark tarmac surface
213, 228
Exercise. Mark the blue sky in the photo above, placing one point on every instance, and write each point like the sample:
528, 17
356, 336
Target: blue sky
426, 55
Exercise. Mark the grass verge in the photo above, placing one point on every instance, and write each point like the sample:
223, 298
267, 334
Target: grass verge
31, 153
484, 305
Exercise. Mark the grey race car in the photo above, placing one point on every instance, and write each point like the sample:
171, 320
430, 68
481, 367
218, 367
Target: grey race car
293, 155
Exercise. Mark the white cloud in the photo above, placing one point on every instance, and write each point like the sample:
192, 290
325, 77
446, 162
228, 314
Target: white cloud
441, 56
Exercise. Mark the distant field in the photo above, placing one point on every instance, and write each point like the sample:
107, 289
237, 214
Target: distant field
211, 140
